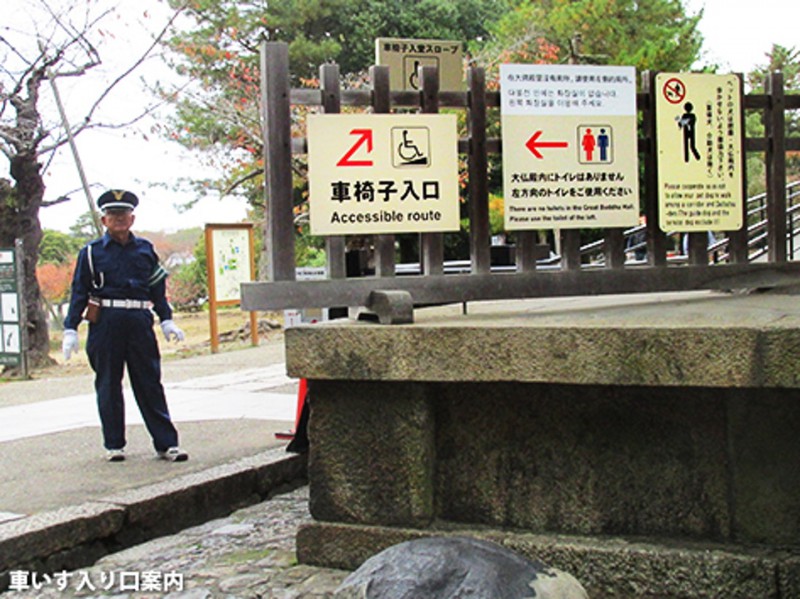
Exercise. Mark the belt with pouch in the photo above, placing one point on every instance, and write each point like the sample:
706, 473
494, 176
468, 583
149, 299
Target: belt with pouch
126, 304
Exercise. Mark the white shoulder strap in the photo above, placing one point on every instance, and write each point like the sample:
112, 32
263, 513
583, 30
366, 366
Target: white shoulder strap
89, 255
91, 268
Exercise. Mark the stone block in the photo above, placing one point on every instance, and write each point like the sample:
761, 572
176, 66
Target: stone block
583, 459
372, 453
764, 462
450, 567
605, 566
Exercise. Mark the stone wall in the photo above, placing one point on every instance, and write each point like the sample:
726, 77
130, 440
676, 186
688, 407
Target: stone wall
659, 447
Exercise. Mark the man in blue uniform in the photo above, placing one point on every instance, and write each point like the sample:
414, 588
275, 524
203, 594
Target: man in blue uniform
117, 280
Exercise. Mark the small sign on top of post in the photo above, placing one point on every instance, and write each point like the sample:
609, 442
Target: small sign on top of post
230, 260
404, 57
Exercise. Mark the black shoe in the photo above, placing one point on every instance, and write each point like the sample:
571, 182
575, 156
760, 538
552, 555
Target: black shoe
115, 455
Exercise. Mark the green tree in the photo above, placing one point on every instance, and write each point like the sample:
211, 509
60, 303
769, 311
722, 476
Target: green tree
467, 21
787, 61
59, 248
83, 228
218, 114
647, 34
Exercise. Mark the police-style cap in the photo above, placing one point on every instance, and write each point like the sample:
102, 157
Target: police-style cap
117, 199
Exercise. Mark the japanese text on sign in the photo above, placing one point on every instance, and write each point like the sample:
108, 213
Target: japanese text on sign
569, 146
698, 120
420, 47
385, 191
405, 57
382, 174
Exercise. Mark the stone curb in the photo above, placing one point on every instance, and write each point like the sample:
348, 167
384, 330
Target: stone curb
605, 567
76, 536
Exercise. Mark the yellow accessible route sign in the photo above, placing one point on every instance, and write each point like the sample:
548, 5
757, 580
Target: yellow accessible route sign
372, 174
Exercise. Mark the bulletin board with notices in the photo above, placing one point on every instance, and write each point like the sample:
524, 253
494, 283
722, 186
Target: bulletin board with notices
11, 346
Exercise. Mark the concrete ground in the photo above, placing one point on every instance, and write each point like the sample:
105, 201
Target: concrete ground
226, 406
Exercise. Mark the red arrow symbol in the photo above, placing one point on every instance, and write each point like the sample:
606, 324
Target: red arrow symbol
364, 136
533, 144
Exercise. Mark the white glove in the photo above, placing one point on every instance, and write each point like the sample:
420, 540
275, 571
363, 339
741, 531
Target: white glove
69, 345
171, 331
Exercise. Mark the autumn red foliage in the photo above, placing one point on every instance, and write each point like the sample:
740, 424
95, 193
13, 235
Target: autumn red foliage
54, 281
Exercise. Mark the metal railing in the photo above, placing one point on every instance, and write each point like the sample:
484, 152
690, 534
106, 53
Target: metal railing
757, 236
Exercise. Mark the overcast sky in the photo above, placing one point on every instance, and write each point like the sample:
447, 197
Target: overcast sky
737, 36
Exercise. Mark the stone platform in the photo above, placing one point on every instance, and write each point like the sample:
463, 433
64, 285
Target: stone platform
646, 444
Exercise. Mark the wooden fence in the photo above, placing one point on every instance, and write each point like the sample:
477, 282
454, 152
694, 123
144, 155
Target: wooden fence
571, 274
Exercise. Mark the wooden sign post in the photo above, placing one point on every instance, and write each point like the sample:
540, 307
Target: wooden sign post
231, 261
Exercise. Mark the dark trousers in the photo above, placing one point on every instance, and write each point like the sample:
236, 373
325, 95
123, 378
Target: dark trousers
125, 338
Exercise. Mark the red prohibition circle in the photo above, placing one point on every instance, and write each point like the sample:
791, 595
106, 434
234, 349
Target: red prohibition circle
674, 91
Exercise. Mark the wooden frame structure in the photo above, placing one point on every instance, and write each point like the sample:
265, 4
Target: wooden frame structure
531, 278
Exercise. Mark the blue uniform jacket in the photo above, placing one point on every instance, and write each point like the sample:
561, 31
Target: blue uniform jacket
130, 271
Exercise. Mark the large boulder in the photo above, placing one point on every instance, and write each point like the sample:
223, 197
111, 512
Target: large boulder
456, 567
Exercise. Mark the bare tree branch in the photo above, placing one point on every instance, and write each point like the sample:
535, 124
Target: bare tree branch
61, 48
156, 41
59, 200
63, 139
78, 36
241, 181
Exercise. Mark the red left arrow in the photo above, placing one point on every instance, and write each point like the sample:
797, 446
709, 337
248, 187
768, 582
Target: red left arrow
533, 144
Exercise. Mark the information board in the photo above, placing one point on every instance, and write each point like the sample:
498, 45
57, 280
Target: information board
10, 330
569, 146
230, 260
699, 142
231, 255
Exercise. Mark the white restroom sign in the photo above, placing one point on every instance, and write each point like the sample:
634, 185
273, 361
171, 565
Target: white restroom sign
382, 173
569, 146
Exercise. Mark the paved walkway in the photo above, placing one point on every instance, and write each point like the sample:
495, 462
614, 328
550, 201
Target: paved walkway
247, 394
52, 452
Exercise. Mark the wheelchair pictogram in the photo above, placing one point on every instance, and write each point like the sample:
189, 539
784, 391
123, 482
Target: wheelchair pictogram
410, 147
411, 65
